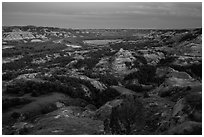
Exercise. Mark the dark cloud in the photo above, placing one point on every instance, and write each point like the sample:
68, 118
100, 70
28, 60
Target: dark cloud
104, 15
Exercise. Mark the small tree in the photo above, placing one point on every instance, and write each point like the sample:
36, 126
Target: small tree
126, 116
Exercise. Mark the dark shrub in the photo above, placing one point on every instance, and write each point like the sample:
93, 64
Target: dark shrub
15, 115
8, 103
187, 37
107, 95
108, 79
126, 117
48, 108
195, 70
145, 74
135, 88
167, 61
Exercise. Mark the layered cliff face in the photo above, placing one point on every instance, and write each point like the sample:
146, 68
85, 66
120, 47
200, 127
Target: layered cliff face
98, 85
120, 63
154, 58
12, 36
121, 58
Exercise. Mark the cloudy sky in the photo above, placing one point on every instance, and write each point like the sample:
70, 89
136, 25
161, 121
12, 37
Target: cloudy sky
104, 15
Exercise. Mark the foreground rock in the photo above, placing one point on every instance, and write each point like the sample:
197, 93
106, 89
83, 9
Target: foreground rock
188, 108
65, 121
185, 116
186, 128
177, 84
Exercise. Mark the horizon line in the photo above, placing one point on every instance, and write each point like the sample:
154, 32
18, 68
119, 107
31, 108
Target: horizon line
102, 28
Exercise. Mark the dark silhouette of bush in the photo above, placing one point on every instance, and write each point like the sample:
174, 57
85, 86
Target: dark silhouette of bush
136, 88
108, 79
48, 108
128, 64
167, 61
145, 74
195, 70
35, 88
19, 64
8, 103
140, 59
131, 76
194, 100
105, 96
15, 115
9, 76
126, 117
89, 63
187, 37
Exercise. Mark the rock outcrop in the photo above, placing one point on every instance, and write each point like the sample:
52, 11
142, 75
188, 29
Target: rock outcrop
98, 85
177, 84
120, 59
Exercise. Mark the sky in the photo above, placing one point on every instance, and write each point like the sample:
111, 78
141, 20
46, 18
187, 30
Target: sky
114, 15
